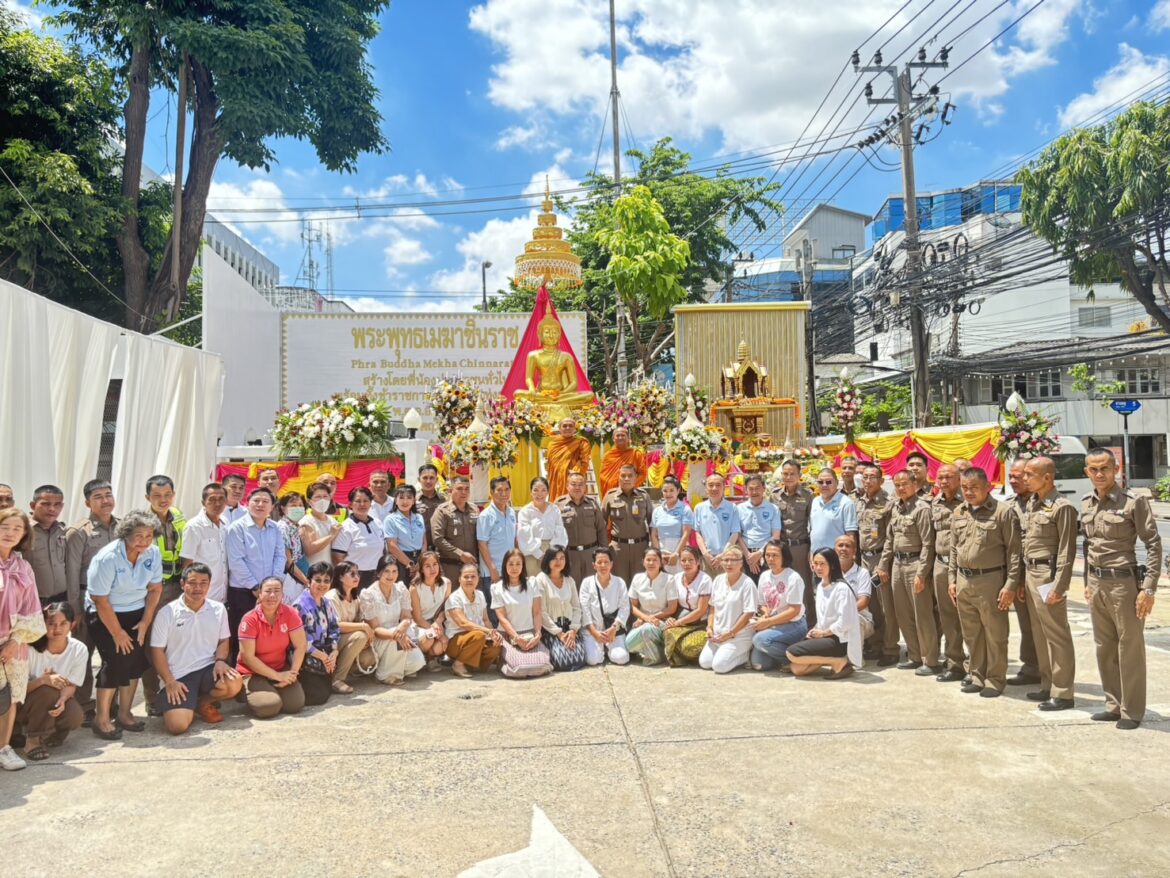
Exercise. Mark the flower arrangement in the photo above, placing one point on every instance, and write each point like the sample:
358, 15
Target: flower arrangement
846, 409
453, 404
495, 447
591, 423
521, 417
339, 428
695, 446
1026, 434
771, 456
649, 412
811, 461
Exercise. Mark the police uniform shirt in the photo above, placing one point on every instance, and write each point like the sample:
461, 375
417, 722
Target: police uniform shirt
873, 517
82, 542
584, 522
628, 515
911, 531
1113, 524
454, 531
427, 506
794, 512
941, 510
47, 560
1050, 534
986, 537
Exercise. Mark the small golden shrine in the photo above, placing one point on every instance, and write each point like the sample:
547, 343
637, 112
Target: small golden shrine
746, 399
745, 377
548, 257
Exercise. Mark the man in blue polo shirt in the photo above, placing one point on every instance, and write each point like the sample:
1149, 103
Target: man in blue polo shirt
717, 525
832, 514
761, 522
495, 531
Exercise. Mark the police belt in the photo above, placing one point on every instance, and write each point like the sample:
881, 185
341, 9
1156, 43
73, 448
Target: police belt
1040, 562
979, 571
581, 548
906, 556
943, 559
790, 542
633, 542
1113, 572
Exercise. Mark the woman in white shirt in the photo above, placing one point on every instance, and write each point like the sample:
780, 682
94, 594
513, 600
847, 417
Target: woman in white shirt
539, 526
836, 641
560, 612
473, 643
683, 638
56, 667
653, 601
779, 620
385, 605
517, 604
605, 609
429, 591
360, 539
733, 603
318, 530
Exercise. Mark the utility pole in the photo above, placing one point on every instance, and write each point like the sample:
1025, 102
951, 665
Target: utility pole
910, 107
614, 97
806, 284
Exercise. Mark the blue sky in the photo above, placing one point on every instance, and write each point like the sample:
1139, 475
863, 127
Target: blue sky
485, 99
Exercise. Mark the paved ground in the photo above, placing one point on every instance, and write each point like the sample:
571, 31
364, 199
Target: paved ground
645, 772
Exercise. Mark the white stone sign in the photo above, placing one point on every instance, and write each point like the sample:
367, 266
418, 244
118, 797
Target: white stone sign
399, 357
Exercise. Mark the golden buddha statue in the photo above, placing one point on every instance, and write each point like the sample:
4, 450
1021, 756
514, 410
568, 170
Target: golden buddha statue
550, 374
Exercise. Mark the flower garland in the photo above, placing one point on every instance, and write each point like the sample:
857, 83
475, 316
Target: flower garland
1024, 434
697, 445
846, 408
340, 428
453, 404
523, 418
495, 446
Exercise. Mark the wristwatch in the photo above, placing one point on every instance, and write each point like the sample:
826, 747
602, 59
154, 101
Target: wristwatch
1149, 592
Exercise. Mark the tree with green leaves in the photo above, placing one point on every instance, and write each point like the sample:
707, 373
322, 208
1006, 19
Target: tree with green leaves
254, 71
699, 209
1101, 197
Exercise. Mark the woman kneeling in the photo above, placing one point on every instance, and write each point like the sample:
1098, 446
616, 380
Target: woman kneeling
683, 638
386, 607
266, 635
836, 641
605, 609
428, 595
780, 621
733, 602
473, 643
653, 601
560, 611
517, 606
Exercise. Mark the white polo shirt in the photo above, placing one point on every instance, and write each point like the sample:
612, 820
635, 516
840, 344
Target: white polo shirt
361, 542
379, 511
190, 638
204, 543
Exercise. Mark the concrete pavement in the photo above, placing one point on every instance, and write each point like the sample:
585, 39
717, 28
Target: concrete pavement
645, 772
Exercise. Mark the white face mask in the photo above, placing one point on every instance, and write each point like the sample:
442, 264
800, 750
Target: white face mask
321, 506
295, 514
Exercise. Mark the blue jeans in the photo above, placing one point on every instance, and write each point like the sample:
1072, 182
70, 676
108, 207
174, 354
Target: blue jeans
770, 646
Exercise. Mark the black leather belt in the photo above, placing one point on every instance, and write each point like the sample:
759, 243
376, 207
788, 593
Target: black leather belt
1113, 572
1040, 562
581, 548
943, 559
906, 556
789, 542
631, 542
979, 571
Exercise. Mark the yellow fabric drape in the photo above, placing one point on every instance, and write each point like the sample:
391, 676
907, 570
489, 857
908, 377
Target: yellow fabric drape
881, 447
965, 443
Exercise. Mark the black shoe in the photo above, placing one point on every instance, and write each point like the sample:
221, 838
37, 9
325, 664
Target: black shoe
928, 671
967, 679
1022, 680
970, 688
952, 676
886, 660
908, 665
1056, 704
1105, 717
1128, 725
151, 709
114, 734
87, 722
988, 692
1039, 695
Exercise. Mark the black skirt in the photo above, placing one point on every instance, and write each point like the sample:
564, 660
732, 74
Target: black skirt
118, 669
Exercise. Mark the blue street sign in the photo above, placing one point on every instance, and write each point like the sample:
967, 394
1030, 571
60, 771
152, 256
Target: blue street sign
1125, 406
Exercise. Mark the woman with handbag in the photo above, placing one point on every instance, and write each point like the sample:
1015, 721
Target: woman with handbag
386, 607
653, 601
733, 604
356, 635
605, 610
428, 596
835, 642
323, 633
21, 623
683, 638
405, 530
560, 612
517, 605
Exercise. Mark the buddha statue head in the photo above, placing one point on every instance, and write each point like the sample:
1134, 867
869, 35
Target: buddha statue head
549, 330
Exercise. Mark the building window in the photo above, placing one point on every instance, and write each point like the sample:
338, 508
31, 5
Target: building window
844, 252
1095, 317
1141, 381
1044, 384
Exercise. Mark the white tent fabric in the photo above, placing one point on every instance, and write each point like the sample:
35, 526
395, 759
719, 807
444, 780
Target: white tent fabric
55, 368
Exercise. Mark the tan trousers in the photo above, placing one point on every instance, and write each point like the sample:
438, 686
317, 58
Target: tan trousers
355, 647
394, 663
801, 566
1121, 645
627, 560
886, 637
33, 715
985, 628
1029, 664
948, 617
472, 649
915, 613
1050, 630
580, 564
266, 700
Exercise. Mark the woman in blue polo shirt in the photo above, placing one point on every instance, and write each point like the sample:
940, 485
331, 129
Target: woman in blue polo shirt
671, 524
125, 584
405, 530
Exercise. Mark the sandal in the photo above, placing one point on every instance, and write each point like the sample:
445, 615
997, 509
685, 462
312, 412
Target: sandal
56, 739
135, 726
114, 734
39, 753
342, 688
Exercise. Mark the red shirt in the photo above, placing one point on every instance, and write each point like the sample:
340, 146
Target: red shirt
272, 641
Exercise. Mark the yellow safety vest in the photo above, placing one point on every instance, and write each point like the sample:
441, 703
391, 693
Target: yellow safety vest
172, 564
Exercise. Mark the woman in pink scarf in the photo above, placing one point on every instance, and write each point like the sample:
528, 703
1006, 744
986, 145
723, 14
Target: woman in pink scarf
21, 623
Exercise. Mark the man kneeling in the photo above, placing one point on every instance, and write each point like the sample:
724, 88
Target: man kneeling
189, 647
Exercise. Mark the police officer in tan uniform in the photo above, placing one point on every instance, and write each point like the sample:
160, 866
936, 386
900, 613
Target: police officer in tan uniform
584, 525
429, 497
1119, 598
984, 572
1029, 672
907, 564
919, 466
627, 510
1050, 548
942, 507
849, 477
873, 519
453, 530
794, 501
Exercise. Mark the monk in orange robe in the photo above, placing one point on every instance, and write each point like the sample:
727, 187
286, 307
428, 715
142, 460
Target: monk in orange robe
565, 453
620, 455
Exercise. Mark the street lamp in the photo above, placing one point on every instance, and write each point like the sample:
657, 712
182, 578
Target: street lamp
483, 267
412, 422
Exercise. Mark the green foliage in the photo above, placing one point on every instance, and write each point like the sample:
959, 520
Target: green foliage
1162, 488
1086, 381
883, 402
1099, 196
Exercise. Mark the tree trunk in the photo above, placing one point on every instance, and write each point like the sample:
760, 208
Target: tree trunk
1142, 289
135, 259
607, 357
206, 146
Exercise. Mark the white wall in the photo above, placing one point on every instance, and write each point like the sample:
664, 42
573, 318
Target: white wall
240, 326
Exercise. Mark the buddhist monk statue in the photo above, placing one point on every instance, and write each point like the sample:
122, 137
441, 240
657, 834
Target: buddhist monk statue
551, 374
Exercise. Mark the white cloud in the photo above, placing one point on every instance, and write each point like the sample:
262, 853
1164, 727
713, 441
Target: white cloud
1160, 16
280, 225
1122, 82
414, 303
752, 70
405, 251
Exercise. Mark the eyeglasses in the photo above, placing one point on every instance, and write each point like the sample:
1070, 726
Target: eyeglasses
825, 482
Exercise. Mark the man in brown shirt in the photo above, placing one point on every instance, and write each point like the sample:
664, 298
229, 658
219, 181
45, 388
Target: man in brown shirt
585, 526
1113, 521
47, 557
453, 530
873, 520
82, 542
627, 511
942, 507
907, 564
984, 571
794, 501
1029, 673
849, 477
429, 497
919, 466
7, 500
1050, 548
